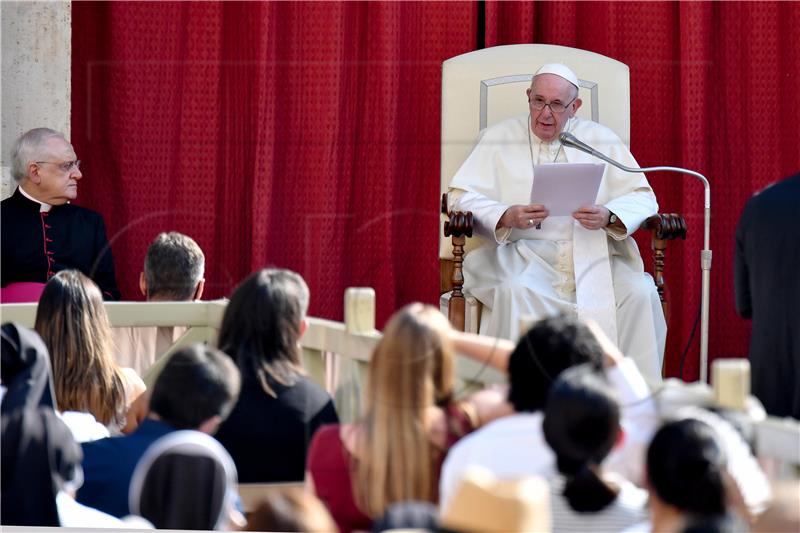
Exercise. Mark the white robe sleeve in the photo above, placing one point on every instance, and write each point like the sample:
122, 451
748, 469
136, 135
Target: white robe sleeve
639, 419
486, 213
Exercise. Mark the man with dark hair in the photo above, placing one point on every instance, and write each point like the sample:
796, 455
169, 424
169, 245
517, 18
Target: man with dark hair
196, 389
173, 272
42, 232
513, 446
550, 347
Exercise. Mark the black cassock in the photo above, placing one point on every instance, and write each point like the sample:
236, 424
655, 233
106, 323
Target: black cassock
767, 282
37, 245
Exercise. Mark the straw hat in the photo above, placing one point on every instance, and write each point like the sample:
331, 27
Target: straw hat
484, 503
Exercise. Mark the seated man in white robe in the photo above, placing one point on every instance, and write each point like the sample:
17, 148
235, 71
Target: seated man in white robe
540, 265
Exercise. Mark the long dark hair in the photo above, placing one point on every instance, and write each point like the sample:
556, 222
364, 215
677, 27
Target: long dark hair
685, 467
73, 324
261, 326
551, 346
581, 424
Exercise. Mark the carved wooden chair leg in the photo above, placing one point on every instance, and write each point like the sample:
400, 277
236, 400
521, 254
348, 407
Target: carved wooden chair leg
458, 227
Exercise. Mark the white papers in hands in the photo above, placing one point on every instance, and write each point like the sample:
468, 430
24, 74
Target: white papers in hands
564, 187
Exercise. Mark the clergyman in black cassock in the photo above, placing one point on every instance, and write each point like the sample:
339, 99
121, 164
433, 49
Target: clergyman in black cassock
767, 282
42, 233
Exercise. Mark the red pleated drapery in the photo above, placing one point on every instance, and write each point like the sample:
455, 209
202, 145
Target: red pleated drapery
299, 135
306, 135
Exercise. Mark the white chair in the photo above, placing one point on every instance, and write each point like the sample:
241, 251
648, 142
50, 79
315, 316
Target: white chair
484, 87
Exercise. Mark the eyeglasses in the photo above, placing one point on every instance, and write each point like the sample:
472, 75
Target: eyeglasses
556, 107
68, 166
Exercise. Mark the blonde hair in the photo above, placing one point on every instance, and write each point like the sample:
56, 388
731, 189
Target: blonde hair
410, 371
74, 326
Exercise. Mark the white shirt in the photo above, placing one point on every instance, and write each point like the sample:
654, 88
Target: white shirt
514, 446
83, 426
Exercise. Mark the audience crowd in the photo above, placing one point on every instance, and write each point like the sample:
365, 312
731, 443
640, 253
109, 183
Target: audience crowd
575, 440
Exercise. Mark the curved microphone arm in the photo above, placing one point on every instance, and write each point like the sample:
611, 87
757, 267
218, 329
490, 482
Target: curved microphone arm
567, 139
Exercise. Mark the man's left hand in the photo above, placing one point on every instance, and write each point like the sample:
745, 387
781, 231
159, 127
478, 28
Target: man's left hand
592, 216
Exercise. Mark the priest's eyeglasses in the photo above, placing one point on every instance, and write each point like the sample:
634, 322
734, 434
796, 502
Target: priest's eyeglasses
68, 166
555, 107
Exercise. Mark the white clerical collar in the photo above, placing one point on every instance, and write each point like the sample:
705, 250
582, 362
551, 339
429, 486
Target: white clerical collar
43, 207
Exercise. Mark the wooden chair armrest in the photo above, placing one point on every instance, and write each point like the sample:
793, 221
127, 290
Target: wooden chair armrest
665, 227
458, 226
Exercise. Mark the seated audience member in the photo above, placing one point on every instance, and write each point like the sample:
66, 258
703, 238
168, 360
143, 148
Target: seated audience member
26, 376
41, 469
685, 475
196, 390
514, 446
186, 480
74, 326
173, 272
395, 451
581, 425
279, 408
291, 509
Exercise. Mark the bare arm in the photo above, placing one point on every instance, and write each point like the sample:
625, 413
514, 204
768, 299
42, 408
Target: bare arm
487, 350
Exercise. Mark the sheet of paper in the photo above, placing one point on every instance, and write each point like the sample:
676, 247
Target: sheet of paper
564, 187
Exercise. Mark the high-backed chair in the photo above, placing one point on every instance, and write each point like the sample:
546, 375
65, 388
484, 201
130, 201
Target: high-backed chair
484, 87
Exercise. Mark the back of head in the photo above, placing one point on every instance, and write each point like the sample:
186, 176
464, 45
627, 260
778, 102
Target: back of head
291, 509
685, 467
26, 150
73, 324
25, 370
39, 458
262, 324
411, 370
173, 267
412, 367
196, 384
581, 425
551, 346
185, 480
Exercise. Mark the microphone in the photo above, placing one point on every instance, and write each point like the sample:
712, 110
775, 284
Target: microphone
568, 139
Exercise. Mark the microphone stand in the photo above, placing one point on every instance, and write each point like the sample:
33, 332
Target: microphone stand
570, 140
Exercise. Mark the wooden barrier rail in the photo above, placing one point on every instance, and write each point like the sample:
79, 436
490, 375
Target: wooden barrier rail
336, 354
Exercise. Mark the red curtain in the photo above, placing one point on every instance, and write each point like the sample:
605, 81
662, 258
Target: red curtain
306, 135
300, 135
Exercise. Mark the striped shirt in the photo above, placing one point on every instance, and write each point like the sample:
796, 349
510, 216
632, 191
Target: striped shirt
628, 509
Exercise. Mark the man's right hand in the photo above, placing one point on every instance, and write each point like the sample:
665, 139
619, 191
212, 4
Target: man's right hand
523, 216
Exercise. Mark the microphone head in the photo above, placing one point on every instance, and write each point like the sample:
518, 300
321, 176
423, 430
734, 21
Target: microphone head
566, 137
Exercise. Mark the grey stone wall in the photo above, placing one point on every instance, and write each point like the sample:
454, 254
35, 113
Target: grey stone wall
36, 42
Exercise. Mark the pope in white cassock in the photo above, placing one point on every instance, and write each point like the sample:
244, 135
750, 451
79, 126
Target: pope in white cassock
540, 265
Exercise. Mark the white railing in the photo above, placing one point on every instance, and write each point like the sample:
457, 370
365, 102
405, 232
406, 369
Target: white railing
337, 354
